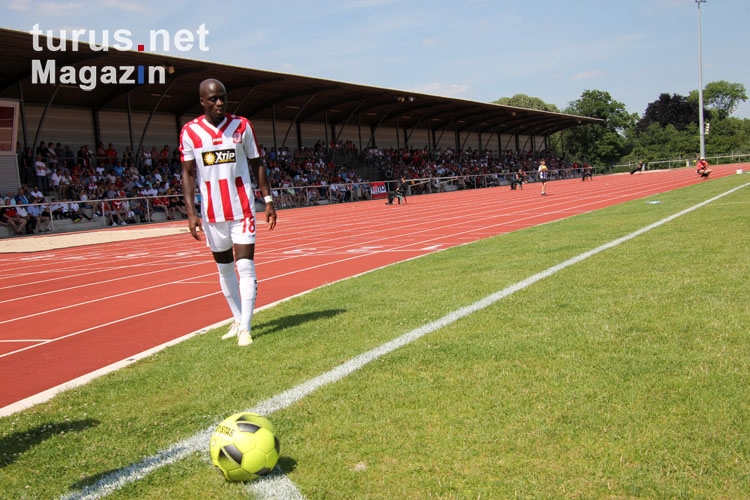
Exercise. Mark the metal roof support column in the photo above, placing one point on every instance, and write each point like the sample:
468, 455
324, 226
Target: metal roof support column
299, 134
372, 141
23, 115
296, 117
153, 112
178, 127
130, 126
398, 139
359, 131
97, 129
518, 142
273, 128
44, 114
430, 137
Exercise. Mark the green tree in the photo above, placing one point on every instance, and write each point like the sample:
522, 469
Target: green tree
674, 110
724, 97
528, 102
599, 144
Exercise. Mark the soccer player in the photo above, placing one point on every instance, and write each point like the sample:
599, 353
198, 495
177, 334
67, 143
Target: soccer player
216, 149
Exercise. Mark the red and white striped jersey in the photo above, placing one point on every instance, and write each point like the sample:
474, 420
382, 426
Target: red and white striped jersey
222, 170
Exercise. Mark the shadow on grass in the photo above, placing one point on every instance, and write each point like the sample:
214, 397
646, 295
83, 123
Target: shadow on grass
293, 320
18, 443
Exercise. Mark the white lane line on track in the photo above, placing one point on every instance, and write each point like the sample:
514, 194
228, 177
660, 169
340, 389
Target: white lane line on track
110, 483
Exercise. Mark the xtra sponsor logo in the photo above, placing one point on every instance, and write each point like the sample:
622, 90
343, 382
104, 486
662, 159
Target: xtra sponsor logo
218, 157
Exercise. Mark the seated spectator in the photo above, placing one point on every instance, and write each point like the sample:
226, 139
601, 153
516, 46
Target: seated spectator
518, 179
9, 215
60, 209
175, 205
312, 196
35, 193
111, 209
399, 193
139, 207
75, 213
40, 215
159, 204
24, 214
336, 195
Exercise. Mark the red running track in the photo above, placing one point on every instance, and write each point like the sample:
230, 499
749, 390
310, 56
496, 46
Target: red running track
67, 313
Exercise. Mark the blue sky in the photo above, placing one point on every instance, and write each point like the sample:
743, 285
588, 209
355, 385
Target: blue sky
478, 50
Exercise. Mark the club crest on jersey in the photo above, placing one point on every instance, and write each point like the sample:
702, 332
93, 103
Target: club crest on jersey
237, 137
219, 157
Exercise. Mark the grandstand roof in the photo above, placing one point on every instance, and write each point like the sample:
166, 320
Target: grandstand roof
259, 94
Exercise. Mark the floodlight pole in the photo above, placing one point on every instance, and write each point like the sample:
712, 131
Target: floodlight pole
701, 126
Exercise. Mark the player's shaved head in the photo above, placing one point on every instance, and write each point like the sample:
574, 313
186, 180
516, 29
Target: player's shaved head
211, 86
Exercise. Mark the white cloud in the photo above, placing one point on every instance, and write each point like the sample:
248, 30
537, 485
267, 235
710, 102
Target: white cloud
359, 4
51, 9
129, 6
19, 5
587, 75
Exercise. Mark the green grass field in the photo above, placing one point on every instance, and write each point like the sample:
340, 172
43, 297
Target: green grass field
622, 376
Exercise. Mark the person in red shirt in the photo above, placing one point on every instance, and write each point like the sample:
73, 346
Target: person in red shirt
703, 169
9, 215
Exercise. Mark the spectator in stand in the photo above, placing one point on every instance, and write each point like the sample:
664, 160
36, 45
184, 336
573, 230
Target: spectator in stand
123, 209
28, 171
85, 206
175, 205
335, 193
101, 155
83, 158
41, 173
9, 215
23, 213
51, 158
139, 207
35, 193
60, 209
74, 212
111, 208
40, 215
22, 199
68, 157
111, 154
65, 184
54, 180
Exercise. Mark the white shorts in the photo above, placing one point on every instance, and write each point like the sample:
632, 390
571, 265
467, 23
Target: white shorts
221, 236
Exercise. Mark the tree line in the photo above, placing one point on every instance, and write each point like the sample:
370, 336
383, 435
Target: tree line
668, 128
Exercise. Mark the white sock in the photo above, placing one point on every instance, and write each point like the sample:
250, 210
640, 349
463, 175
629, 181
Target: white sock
230, 286
248, 291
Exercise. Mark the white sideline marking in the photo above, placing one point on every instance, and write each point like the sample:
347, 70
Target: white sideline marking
277, 485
